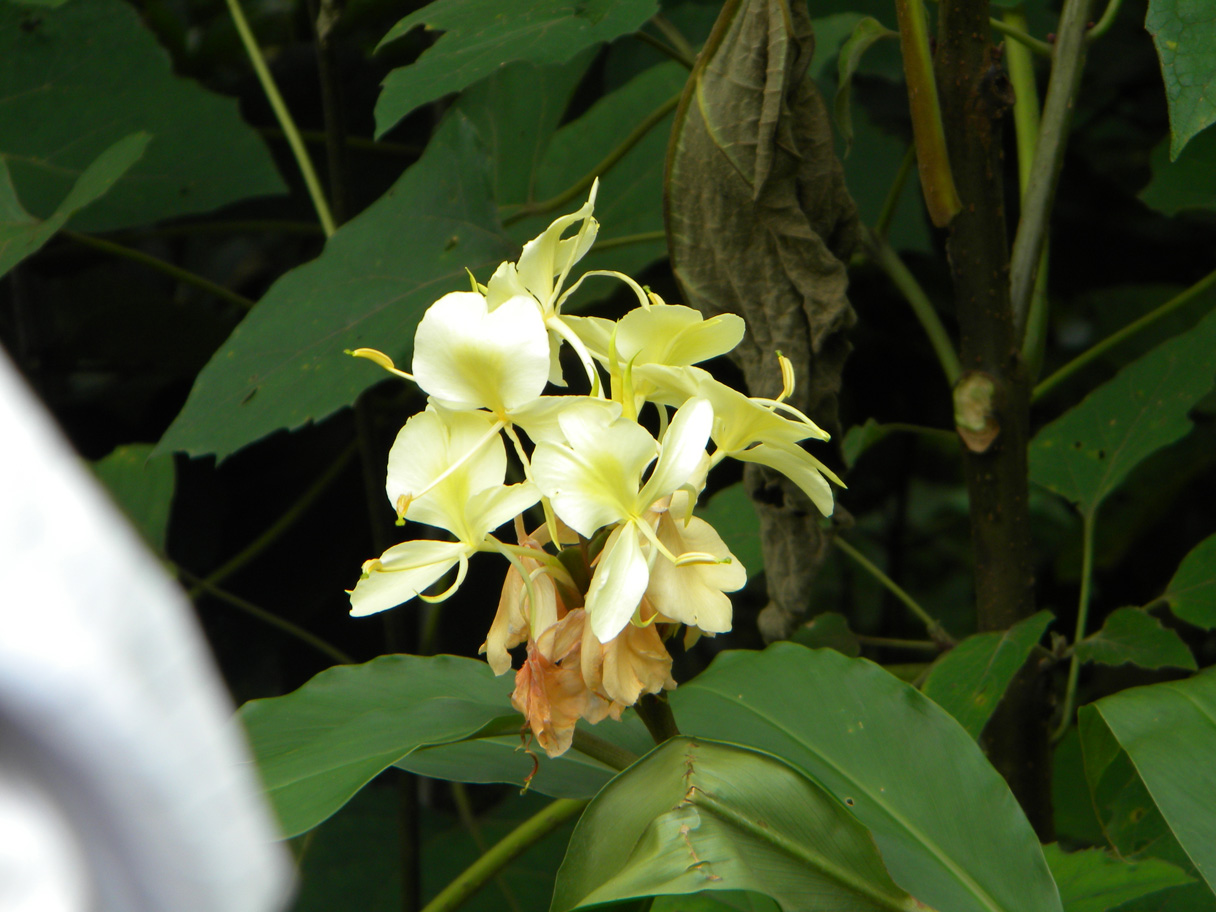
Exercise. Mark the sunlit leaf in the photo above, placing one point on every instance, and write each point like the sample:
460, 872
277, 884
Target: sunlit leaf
284, 365
482, 35
1094, 881
1132, 636
1084, 454
143, 489
22, 234
86, 75
970, 680
1184, 32
1192, 591
1169, 732
695, 816
946, 823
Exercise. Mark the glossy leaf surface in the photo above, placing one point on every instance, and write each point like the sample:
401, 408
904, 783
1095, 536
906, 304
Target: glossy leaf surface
694, 816
1169, 731
948, 828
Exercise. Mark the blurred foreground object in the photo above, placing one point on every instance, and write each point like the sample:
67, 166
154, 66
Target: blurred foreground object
124, 784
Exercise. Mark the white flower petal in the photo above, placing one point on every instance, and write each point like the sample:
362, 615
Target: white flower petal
675, 335
618, 584
547, 256
694, 594
402, 572
492, 507
798, 466
429, 445
683, 447
469, 357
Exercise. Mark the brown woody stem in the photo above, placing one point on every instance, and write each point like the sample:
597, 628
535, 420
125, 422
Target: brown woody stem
974, 97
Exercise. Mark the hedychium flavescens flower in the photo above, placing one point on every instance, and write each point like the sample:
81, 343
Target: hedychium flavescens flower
765, 431
469, 501
620, 563
594, 480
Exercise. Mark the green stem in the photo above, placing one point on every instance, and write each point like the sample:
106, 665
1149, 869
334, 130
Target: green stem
1074, 664
281, 525
502, 853
887, 214
283, 116
464, 810
675, 36
1022, 37
1096, 351
1103, 25
176, 272
605, 164
941, 435
1048, 160
1026, 118
362, 144
263, 615
936, 631
625, 240
888, 260
655, 713
605, 752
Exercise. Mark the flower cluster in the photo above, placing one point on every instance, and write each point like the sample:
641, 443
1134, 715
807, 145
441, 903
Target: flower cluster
616, 561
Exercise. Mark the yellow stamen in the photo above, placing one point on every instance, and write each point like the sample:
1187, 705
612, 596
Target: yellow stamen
403, 507
787, 377
689, 558
381, 359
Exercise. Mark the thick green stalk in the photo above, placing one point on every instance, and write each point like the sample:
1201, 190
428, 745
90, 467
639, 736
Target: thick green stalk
504, 852
1048, 160
283, 116
932, 158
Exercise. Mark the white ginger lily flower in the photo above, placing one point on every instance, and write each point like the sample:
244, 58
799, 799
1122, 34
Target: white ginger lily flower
596, 481
752, 430
432, 475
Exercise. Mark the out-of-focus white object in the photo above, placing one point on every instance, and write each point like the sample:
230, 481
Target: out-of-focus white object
124, 784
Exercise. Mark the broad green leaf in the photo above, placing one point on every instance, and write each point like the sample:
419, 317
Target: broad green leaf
860, 437
828, 631
865, 35
1169, 731
695, 816
1130, 822
502, 758
1094, 880
1132, 636
1084, 454
1189, 182
946, 823
317, 746
21, 234
143, 488
481, 35
1184, 32
89, 74
970, 680
284, 365
1075, 819
731, 513
1192, 591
